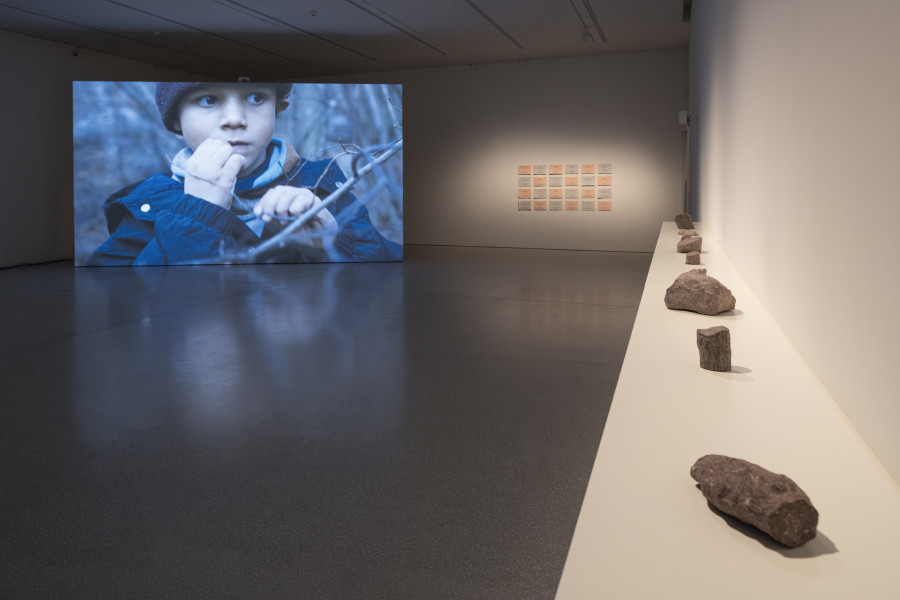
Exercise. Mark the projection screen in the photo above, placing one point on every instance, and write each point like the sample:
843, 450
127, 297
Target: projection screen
180, 173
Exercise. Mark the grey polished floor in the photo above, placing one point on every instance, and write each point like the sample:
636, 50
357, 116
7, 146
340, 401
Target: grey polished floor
422, 430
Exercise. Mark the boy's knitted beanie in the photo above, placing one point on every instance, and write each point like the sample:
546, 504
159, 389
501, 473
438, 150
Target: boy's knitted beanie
170, 93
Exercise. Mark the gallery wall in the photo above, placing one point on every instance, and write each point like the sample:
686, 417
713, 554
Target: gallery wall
36, 164
795, 136
465, 131
468, 128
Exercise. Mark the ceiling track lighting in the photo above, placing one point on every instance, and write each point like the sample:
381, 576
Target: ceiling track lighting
590, 12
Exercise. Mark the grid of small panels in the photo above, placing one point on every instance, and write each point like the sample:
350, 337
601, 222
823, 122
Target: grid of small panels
579, 187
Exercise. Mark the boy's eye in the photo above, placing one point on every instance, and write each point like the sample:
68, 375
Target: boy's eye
256, 98
207, 101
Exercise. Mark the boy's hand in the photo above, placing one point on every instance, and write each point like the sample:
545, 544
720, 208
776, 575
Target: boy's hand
287, 201
211, 172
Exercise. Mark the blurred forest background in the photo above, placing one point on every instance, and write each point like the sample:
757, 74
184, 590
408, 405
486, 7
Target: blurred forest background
119, 139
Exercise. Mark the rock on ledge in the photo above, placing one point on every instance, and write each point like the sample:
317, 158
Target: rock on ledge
766, 500
684, 221
690, 243
697, 291
714, 344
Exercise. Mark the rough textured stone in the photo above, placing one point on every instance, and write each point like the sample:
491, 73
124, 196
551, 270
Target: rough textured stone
683, 232
692, 258
766, 500
714, 344
684, 221
690, 243
697, 291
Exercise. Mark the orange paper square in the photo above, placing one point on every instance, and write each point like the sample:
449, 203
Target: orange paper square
604, 204
587, 169
539, 205
555, 193
524, 169
539, 181
587, 193
571, 204
604, 179
556, 169
572, 180
524, 194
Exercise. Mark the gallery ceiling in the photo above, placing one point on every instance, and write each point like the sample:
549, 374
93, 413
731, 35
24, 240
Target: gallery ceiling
291, 39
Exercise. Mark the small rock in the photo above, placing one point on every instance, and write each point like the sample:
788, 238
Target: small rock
714, 344
692, 258
766, 500
684, 232
684, 221
697, 291
690, 243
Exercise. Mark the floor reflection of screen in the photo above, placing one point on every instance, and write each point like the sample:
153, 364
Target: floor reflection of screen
213, 173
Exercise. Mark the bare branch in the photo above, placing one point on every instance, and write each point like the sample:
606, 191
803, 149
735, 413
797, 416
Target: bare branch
373, 165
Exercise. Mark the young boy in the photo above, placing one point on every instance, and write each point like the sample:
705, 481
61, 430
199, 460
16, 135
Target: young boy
232, 188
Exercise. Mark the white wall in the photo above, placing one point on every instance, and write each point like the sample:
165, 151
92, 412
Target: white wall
36, 155
796, 159
467, 128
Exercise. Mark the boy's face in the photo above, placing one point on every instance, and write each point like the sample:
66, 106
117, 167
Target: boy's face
242, 115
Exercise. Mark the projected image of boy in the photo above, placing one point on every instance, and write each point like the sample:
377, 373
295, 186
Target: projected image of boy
233, 187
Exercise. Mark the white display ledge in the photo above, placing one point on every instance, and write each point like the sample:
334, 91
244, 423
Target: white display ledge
645, 530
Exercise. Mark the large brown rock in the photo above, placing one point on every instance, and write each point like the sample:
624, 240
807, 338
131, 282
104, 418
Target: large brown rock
692, 258
766, 500
687, 232
714, 344
689, 243
684, 221
697, 291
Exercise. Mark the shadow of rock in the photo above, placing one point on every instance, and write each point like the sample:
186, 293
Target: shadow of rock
818, 546
737, 373
733, 315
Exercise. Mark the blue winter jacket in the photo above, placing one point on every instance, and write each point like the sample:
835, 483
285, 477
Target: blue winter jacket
153, 222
